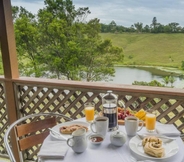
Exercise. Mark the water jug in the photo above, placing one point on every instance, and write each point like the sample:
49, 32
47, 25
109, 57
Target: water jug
109, 103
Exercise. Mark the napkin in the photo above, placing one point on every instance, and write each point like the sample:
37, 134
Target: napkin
167, 130
53, 149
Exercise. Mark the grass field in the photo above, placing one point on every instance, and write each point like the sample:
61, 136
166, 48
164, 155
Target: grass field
149, 49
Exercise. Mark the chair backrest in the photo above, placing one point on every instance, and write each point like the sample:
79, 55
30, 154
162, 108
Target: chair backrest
32, 133
27, 136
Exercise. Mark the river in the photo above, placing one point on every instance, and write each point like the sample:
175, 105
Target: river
127, 75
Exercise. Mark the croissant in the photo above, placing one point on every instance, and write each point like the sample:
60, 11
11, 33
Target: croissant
153, 146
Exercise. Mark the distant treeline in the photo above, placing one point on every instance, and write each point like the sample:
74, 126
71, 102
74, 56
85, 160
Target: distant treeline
138, 27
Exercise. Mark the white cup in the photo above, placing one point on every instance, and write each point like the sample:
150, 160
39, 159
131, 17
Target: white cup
132, 125
78, 140
100, 125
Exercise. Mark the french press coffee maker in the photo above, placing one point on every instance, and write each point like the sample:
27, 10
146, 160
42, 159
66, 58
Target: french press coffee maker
109, 103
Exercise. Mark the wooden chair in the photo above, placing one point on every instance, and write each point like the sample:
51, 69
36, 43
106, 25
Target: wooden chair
32, 133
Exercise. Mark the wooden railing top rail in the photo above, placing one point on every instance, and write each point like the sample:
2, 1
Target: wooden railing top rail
101, 86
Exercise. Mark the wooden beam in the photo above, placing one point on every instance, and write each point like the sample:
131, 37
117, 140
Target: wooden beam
7, 40
10, 65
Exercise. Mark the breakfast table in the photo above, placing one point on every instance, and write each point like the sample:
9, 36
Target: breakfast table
108, 152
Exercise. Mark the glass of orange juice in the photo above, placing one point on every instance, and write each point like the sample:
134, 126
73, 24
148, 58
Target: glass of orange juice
150, 120
89, 108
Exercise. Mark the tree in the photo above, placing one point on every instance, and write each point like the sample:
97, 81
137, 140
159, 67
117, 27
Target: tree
154, 22
153, 83
146, 29
96, 65
182, 65
112, 26
169, 79
104, 28
138, 26
173, 26
172, 80
26, 41
70, 46
159, 28
60, 30
154, 25
166, 80
167, 29
15, 11
132, 29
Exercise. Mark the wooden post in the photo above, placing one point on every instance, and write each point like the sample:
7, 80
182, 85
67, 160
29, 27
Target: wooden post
10, 64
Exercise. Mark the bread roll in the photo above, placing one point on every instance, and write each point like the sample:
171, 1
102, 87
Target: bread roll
153, 146
150, 149
157, 141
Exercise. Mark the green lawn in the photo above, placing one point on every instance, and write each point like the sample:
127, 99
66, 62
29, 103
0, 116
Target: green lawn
149, 49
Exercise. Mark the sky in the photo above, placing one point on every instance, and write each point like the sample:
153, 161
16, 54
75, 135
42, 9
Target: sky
123, 12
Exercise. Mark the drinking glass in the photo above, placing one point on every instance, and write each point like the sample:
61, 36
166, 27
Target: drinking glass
89, 108
150, 120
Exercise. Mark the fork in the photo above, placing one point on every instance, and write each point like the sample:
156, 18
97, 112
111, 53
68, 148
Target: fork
165, 138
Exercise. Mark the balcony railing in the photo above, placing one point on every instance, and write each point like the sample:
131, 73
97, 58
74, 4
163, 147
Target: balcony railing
68, 97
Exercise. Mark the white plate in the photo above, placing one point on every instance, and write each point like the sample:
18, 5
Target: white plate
135, 145
58, 126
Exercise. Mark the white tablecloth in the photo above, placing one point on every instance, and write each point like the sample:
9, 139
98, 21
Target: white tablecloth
109, 153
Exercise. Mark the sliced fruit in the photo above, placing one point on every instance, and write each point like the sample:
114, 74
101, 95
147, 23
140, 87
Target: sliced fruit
141, 114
